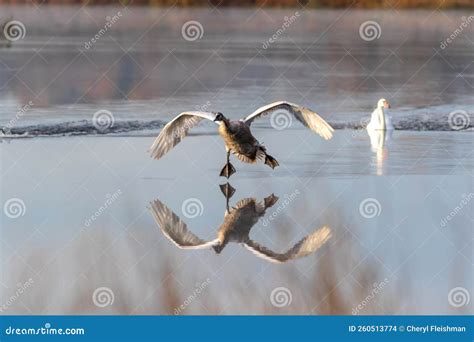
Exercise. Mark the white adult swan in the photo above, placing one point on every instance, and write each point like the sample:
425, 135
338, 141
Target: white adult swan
379, 120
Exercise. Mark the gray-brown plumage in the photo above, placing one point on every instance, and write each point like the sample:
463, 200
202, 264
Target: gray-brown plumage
236, 227
237, 135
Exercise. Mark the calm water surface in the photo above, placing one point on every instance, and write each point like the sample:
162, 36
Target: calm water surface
144, 68
401, 253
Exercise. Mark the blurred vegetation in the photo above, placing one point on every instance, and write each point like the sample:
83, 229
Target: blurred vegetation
268, 3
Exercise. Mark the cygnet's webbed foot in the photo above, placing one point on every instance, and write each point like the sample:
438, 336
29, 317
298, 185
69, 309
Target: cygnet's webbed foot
227, 171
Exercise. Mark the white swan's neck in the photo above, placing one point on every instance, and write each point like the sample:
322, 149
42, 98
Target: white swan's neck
382, 119
378, 120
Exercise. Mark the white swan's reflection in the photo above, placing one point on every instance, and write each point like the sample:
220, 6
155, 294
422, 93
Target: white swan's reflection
379, 142
238, 221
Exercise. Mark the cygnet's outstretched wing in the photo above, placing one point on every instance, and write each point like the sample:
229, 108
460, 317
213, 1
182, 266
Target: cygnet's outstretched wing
175, 130
305, 115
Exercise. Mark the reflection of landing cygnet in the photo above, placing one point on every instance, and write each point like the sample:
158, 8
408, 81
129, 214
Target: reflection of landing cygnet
236, 134
379, 119
379, 142
238, 221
